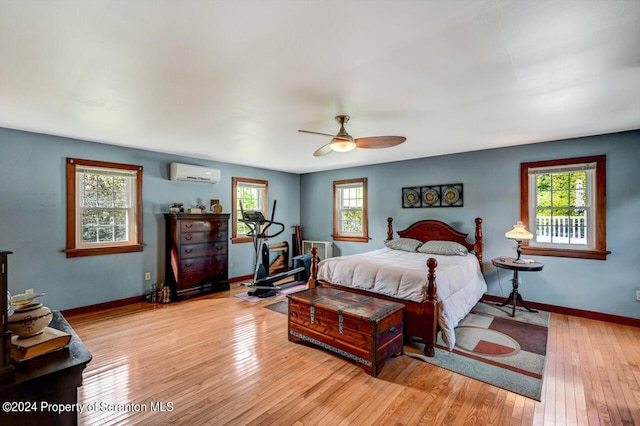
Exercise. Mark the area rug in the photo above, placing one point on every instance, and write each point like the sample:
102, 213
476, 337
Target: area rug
495, 348
255, 299
282, 307
491, 346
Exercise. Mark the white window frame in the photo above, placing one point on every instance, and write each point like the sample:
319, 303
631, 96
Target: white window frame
82, 207
590, 212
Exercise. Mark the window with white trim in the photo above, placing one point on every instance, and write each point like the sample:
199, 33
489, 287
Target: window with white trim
350, 221
104, 208
253, 195
564, 207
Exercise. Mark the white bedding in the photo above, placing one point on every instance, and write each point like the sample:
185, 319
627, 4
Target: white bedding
403, 275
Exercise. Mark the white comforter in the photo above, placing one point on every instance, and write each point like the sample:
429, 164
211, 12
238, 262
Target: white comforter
403, 275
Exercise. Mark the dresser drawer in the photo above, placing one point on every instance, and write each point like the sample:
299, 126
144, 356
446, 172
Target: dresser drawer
197, 278
202, 226
209, 263
202, 237
199, 250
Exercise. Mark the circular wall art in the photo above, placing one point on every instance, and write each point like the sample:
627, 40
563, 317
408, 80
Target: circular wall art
450, 195
410, 198
430, 197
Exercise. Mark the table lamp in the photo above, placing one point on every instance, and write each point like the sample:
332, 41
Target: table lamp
519, 234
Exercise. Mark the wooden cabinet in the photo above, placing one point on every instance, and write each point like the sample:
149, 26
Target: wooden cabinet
52, 378
5, 335
196, 254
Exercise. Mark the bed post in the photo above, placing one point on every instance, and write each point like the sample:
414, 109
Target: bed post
478, 246
314, 268
431, 333
389, 228
432, 289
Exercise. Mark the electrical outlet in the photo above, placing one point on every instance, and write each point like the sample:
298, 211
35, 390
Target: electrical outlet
638, 295
231, 264
147, 276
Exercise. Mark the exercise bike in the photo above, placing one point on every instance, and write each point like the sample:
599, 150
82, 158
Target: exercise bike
264, 284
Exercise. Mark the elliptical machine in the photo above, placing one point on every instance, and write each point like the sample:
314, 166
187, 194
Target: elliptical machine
263, 283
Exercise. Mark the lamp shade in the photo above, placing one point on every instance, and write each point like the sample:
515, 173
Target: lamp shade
341, 144
519, 233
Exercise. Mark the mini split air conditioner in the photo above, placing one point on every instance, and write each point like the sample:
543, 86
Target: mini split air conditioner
191, 173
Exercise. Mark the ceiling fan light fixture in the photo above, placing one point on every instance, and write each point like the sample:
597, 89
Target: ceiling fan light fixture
344, 142
342, 145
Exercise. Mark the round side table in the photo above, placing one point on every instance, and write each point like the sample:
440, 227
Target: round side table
511, 264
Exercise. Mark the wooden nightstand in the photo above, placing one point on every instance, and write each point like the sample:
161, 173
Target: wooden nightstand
510, 263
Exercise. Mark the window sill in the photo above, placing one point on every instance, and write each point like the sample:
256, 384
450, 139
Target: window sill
350, 239
237, 240
577, 254
75, 252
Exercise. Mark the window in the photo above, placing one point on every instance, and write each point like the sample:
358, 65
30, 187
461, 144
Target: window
252, 193
104, 208
350, 210
564, 205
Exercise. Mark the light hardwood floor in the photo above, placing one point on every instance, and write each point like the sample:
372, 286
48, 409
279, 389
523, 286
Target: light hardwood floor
221, 360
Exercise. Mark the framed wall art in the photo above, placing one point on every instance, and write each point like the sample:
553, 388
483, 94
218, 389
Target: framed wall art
448, 195
411, 197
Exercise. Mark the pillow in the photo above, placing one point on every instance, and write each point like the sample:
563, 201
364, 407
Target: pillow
404, 244
447, 248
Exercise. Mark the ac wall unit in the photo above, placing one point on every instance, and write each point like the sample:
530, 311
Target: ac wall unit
192, 173
325, 248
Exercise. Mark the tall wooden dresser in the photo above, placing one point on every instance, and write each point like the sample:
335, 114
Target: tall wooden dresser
196, 254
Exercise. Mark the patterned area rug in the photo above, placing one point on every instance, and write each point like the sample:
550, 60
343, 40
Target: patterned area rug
495, 348
255, 299
282, 307
491, 346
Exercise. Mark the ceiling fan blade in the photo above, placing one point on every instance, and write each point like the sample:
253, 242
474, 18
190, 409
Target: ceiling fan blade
326, 149
315, 133
379, 141
325, 134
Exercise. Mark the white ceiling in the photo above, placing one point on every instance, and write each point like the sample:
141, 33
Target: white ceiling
234, 80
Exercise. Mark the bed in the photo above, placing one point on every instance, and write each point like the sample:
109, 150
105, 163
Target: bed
401, 273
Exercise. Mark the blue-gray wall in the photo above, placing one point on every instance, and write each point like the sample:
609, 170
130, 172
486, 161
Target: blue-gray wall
33, 218
492, 191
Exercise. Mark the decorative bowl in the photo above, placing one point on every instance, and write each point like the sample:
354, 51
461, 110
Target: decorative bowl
24, 299
29, 320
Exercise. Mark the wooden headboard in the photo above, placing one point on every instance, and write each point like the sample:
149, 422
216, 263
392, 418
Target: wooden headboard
429, 229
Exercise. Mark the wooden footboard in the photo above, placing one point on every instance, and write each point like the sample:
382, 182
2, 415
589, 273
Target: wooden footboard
420, 319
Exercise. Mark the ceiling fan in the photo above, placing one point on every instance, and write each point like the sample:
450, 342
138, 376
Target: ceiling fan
343, 142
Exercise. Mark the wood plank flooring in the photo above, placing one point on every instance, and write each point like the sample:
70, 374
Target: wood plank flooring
220, 360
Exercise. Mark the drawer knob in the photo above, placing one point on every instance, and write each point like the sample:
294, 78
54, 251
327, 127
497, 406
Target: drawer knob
188, 237
392, 329
188, 250
188, 225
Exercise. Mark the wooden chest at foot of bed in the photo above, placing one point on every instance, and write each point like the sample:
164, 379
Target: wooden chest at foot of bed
362, 328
